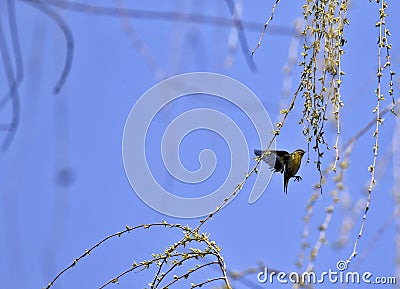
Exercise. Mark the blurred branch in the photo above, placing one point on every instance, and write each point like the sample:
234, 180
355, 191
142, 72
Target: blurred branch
291, 62
138, 42
233, 40
176, 16
12, 93
368, 126
242, 36
69, 39
14, 34
240, 276
378, 234
163, 15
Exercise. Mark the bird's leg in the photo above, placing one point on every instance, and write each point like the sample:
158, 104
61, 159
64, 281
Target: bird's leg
297, 178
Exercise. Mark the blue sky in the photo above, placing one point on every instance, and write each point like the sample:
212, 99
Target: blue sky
63, 185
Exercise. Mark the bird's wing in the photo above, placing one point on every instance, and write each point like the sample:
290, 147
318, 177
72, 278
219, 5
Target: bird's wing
275, 159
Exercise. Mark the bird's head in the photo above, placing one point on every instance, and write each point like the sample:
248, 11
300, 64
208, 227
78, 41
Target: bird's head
299, 152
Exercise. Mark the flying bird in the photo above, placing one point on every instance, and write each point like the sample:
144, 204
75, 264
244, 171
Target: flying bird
283, 162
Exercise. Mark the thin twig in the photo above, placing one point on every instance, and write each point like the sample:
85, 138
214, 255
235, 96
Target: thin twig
378, 122
186, 274
265, 27
206, 282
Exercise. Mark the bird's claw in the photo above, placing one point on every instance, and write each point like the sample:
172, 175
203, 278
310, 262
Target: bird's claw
297, 178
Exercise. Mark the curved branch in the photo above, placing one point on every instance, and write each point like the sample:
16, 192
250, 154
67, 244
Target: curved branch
69, 39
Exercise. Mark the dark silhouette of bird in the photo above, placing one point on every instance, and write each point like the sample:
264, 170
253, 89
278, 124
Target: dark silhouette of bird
283, 162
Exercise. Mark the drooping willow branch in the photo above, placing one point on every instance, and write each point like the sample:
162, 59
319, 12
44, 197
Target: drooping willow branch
322, 71
383, 45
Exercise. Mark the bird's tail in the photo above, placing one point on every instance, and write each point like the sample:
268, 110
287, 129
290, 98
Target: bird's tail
285, 184
258, 153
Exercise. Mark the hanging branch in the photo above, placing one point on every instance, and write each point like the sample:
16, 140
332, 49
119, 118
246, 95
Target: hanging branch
323, 38
271, 16
383, 45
